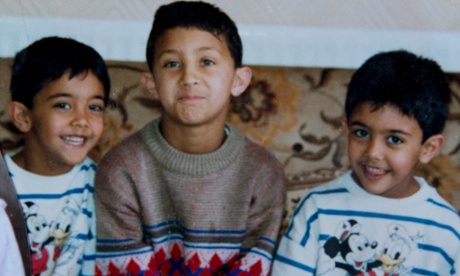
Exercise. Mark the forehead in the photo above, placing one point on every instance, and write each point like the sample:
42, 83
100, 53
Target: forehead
83, 85
385, 118
182, 39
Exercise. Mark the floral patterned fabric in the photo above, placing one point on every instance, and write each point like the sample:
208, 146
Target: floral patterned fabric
294, 112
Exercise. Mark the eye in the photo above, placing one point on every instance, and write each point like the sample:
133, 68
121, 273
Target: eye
171, 64
62, 105
394, 140
97, 107
361, 133
207, 62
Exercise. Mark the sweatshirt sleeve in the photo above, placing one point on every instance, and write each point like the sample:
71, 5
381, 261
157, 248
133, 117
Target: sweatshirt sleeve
299, 247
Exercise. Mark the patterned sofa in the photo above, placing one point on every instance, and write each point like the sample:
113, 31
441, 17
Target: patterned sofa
294, 112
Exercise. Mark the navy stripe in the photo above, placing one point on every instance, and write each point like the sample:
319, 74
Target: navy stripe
307, 232
82, 237
124, 254
386, 216
113, 240
438, 250
424, 272
266, 256
443, 206
87, 212
294, 264
268, 240
194, 231
88, 187
299, 206
87, 168
91, 257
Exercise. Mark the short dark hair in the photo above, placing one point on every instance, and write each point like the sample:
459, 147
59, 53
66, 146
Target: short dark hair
47, 60
200, 15
415, 85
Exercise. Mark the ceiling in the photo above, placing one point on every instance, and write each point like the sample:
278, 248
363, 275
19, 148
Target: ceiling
337, 33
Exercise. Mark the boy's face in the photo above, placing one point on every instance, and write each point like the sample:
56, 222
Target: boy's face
66, 121
194, 76
384, 149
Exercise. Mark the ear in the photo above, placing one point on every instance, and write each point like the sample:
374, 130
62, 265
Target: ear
149, 84
19, 115
431, 148
242, 80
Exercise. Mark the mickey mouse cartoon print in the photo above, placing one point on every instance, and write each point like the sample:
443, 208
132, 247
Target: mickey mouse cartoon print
351, 250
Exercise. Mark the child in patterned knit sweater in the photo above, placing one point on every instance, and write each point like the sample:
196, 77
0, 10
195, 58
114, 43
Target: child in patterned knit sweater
189, 194
59, 89
378, 219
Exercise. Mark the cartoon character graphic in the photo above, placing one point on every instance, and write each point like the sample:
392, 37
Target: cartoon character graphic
61, 227
52, 242
396, 249
37, 231
357, 252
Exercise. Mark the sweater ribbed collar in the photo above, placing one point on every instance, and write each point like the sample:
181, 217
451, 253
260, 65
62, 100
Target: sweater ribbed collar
194, 165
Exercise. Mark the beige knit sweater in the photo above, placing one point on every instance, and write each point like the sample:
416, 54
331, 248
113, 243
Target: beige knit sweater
171, 213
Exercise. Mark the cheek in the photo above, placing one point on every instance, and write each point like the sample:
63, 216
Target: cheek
403, 161
97, 125
354, 150
46, 126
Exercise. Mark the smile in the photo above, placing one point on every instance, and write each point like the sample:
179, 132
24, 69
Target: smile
373, 172
74, 140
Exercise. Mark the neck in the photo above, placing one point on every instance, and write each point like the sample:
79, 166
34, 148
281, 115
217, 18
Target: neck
37, 165
193, 139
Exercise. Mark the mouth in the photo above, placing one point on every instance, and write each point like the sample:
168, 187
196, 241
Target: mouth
190, 98
74, 140
373, 173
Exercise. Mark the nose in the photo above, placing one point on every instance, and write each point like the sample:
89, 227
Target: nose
189, 75
375, 149
80, 117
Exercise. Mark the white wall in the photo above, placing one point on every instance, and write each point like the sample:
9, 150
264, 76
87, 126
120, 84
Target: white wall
306, 33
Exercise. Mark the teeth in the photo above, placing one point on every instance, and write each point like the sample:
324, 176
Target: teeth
374, 170
74, 140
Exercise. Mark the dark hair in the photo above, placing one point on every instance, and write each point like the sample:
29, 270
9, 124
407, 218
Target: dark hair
415, 85
47, 60
200, 15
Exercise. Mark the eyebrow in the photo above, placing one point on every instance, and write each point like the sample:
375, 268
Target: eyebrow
201, 49
68, 95
205, 48
393, 131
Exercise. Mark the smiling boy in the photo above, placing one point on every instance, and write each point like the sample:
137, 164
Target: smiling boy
189, 194
379, 219
59, 89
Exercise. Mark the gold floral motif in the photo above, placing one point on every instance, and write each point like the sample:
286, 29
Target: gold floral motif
266, 107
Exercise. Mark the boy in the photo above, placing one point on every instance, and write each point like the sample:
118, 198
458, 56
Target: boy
59, 89
189, 194
379, 219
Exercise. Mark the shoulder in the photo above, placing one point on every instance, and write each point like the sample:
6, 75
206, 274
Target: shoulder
336, 190
260, 159
435, 201
127, 147
341, 183
255, 151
